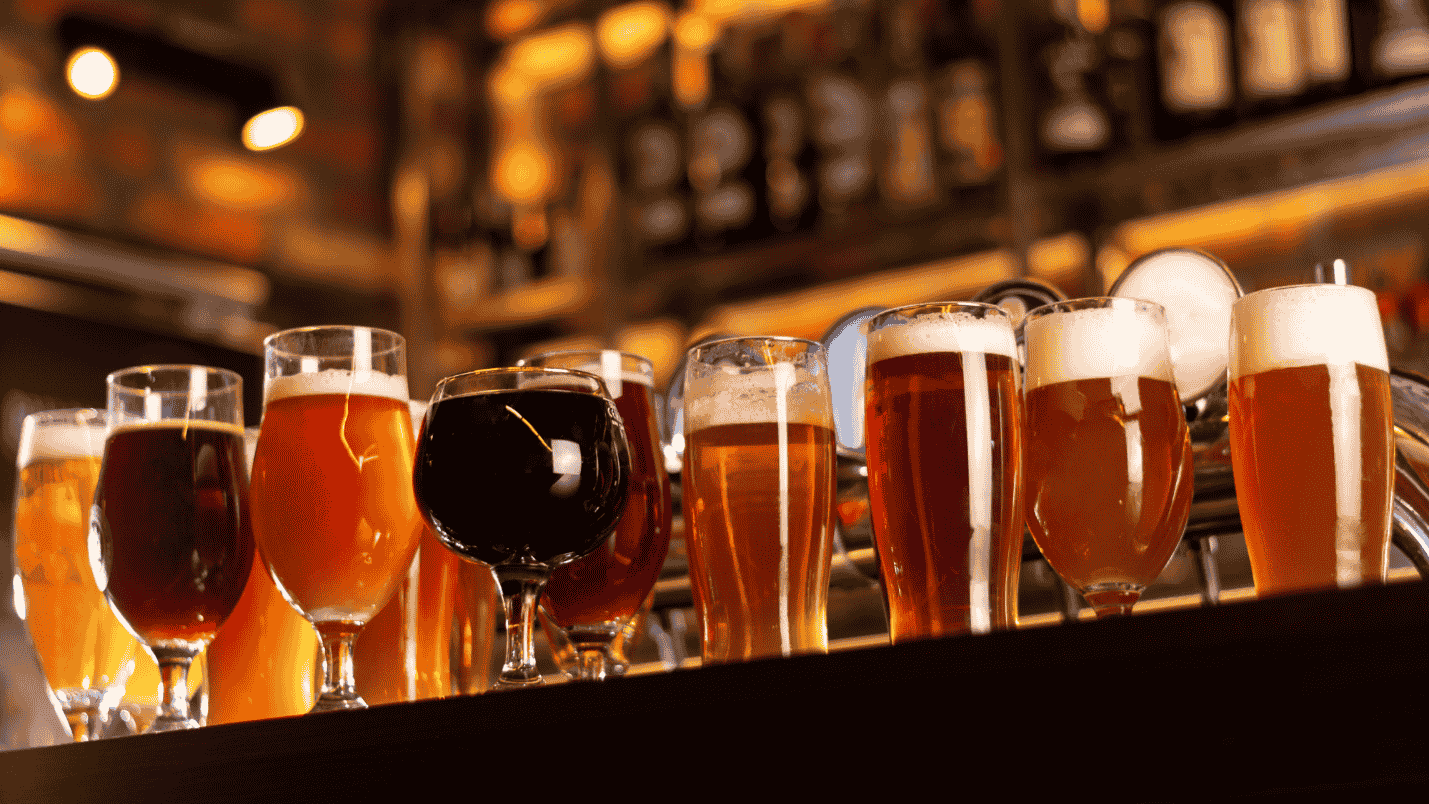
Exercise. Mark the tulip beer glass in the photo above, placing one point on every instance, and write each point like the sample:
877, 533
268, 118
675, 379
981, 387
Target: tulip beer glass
172, 547
759, 491
1108, 455
944, 422
1311, 431
333, 511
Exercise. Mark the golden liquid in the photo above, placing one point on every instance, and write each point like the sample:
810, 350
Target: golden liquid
755, 599
333, 510
1288, 479
80, 642
478, 609
940, 576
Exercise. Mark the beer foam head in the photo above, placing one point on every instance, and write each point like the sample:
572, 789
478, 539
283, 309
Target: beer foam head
177, 424
1086, 344
58, 441
1306, 325
728, 396
336, 381
950, 331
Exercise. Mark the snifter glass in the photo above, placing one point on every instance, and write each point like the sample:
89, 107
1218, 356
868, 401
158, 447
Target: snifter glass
593, 598
170, 544
759, 495
333, 511
1108, 456
81, 646
524, 470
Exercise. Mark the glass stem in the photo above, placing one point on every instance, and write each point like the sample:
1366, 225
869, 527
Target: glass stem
520, 591
339, 683
174, 673
590, 664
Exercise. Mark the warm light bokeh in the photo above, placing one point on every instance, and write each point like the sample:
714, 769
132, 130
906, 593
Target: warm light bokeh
92, 73
273, 128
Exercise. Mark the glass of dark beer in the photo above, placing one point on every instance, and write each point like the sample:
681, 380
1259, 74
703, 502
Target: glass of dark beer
593, 598
170, 542
524, 470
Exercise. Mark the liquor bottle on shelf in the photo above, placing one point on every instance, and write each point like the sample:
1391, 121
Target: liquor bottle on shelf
1329, 60
1274, 70
841, 102
1130, 71
1195, 67
966, 128
1074, 126
1396, 41
790, 157
907, 177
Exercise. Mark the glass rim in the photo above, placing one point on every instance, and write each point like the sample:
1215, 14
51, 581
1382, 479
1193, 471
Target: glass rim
234, 379
945, 306
1349, 288
59, 414
1091, 303
559, 352
515, 370
399, 341
818, 345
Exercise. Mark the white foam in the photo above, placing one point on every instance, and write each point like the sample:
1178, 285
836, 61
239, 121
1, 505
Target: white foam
336, 381
948, 332
59, 441
727, 397
1306, 325
1100, 342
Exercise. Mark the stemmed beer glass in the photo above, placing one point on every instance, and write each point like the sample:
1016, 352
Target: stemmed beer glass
1108, 455
170, 543
593, 598
522, 469
333, 510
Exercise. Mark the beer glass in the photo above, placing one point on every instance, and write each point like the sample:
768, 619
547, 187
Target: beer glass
1108, 455
1311, 431
593, 598
333, 511
522, 469
759, 491
79, 642
263, 663
172, 547
404, 653
943, 411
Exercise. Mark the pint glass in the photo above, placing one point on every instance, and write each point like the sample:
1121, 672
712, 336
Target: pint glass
759, 485
944, 419
1108, 455
1311, 431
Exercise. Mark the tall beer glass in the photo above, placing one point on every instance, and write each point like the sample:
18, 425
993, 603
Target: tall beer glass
80, 643
333, 510
592, 599
1108, 456
1311, 430
172, 547
263, 663
522, 469
759, 490
944, 419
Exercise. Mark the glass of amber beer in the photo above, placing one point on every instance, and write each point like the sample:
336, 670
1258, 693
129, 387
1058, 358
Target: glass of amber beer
522, 469
592, 599
1108, 455
944, 421
171, 544
333, 511
1311, 431
80, 644
759, 491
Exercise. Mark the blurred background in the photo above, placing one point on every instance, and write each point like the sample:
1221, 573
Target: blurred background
180, 178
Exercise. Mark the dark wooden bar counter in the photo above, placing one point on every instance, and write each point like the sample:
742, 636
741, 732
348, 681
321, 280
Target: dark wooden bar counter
1317, 695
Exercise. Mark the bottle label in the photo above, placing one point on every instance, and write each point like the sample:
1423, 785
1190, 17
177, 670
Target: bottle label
1195, 58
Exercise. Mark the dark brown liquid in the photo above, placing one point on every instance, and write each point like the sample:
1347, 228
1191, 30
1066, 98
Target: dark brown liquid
172, 514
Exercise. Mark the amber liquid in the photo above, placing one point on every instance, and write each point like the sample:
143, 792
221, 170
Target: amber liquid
80, 642
1107, 489
264, 661
940, 574
1290, 482
333, 510
171, 508
755, 598
405, 653
610, 584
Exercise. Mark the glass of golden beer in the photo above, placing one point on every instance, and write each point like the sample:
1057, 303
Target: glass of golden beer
943, 413
81, 645
1108, 455
333, 510
593, 598
759, 496
171, 544
1311, 431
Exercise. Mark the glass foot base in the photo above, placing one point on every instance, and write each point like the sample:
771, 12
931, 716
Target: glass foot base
1112, 599
162, 724
336, 703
